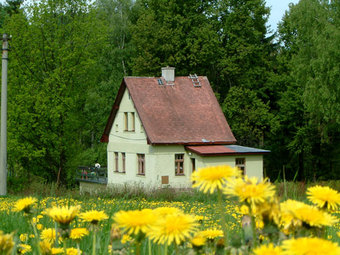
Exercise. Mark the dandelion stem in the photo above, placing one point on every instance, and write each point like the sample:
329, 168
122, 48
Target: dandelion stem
149, 244
78, 248
65, 248
36, 236
253, 228
222, 215
137, 248
166, 249
56, 234
94, 242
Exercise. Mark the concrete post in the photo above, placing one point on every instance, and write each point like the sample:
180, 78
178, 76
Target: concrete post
3, 134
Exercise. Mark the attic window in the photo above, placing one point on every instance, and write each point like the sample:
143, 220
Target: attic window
126, 121
160, 82
129, 121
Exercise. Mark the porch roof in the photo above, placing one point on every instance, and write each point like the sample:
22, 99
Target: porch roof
220, 150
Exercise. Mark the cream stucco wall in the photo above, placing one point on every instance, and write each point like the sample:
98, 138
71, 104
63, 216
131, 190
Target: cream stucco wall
160, 159
253, 163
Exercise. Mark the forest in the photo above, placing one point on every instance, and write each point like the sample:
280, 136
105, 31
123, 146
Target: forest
279, 90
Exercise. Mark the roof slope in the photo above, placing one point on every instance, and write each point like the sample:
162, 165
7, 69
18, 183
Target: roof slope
175, 114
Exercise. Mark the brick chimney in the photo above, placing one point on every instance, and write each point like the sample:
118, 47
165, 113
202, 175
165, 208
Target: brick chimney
168, 73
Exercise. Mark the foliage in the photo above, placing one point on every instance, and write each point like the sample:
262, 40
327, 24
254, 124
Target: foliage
249, 117
309, 108
50, 76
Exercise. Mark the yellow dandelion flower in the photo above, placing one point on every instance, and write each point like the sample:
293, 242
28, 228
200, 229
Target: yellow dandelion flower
63, 215
250, 190
244, 210
6, 243
314, 217
268, 212
211, 233
162, 211
135, 221
24, 204
126, 239
198, 241
47, 249
213, 177
199, 218
78, 233
57, 251
93, 216
294, 213
324, 197
40, 226
172, 228
267, 249
287, 213
24, 248
72, 251
310, 246
23, 238
48, 234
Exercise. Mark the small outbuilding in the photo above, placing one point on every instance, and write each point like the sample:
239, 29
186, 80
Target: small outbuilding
161, 129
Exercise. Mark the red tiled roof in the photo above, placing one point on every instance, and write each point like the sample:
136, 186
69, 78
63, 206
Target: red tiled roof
175, 114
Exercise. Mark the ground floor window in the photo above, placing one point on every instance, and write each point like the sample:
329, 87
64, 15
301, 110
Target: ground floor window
116, 162
123, 162
179, 164
241, 164
141, 164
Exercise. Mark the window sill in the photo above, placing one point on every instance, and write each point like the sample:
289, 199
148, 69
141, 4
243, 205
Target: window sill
140, 174
117, 172
129, 131
179, 174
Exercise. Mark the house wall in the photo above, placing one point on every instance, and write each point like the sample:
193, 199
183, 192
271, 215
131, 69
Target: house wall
253, 163
128, 142
160, 159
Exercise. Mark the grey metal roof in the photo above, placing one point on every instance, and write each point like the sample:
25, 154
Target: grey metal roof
244, 149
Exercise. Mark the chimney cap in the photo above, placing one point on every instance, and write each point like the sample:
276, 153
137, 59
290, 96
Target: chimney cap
168, 68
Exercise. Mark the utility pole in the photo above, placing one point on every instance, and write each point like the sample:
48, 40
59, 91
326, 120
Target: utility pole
3, 134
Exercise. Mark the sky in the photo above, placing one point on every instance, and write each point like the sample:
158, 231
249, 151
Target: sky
278, 8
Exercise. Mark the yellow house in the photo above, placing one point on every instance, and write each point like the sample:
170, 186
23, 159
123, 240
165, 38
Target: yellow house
161, 129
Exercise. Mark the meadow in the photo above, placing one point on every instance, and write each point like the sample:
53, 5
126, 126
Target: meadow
266, 221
